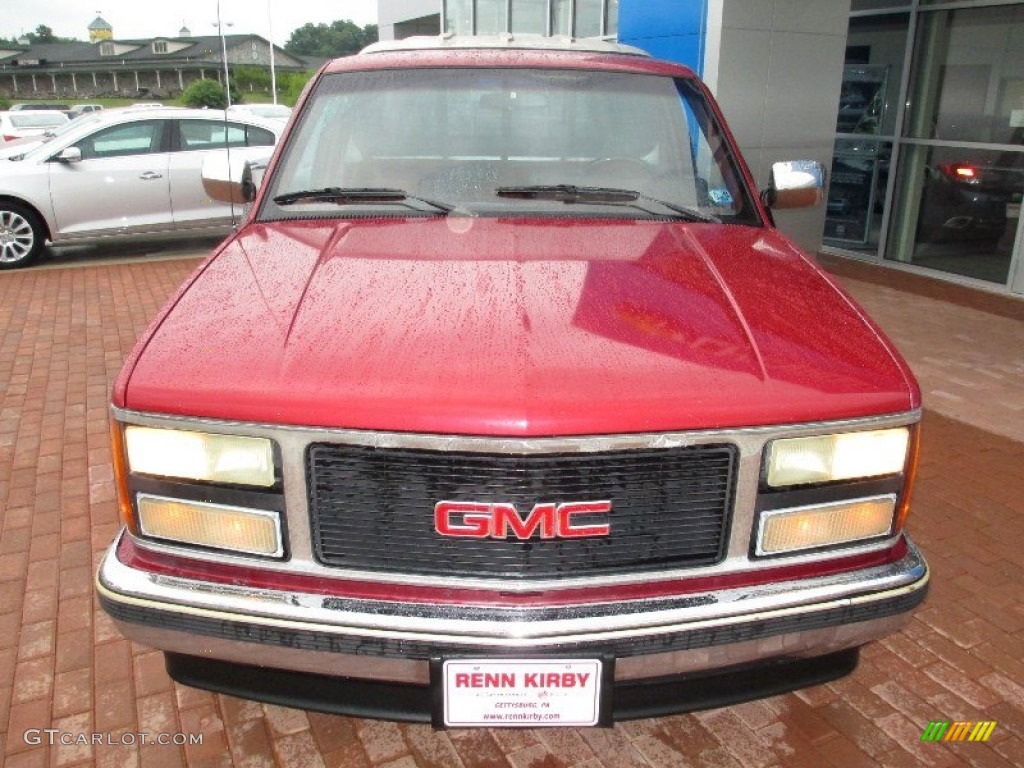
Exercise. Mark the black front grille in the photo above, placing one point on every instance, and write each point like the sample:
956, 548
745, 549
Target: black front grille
373, 509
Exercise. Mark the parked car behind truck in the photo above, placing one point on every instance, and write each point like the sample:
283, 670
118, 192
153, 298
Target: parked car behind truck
26, 124
83, 109
508, 405
120, 174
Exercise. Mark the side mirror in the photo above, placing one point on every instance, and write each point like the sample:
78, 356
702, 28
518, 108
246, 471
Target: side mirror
234, 182
252, 177
69, 155
795, 184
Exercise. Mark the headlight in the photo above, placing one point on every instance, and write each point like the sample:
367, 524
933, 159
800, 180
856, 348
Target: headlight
205, 456
825, 525
827, 458
252, 531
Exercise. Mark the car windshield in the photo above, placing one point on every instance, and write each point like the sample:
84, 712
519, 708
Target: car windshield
72, 125
87, 118
512, 141
37, 119
268, 110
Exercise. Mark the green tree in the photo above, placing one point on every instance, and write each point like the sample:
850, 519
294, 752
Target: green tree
249, 78
340, 38
290, 85
42, 34
205, 93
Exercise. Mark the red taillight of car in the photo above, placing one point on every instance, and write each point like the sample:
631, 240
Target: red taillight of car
960, 171
10, 138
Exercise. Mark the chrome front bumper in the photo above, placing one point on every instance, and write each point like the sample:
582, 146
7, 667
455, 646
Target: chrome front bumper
394, 642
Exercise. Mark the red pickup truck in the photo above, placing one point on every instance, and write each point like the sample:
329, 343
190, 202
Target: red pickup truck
508, 404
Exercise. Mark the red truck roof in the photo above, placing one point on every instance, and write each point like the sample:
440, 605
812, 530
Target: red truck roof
509, 56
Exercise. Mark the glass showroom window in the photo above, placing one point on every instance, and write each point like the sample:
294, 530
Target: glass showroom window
962, 167
576, 18
928, 166
867, 115
867, 5
530, 16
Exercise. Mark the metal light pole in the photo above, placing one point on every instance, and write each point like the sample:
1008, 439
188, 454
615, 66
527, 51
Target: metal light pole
224, 53
273, 74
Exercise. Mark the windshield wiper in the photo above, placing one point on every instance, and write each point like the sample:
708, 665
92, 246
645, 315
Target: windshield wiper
569, 193
356, 195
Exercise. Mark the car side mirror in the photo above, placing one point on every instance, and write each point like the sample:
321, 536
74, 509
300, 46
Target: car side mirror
795, 184
69, 155
252, 177
236, 181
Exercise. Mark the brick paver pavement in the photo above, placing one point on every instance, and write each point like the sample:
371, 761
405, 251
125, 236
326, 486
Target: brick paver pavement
63, 335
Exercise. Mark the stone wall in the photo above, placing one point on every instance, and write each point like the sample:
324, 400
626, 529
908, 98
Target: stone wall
122, 83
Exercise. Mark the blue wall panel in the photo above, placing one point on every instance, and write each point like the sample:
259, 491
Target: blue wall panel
668, 29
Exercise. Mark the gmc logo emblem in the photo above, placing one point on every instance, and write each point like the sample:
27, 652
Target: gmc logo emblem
478, 520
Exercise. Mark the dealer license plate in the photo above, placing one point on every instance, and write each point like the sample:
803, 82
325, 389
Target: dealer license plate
525, 693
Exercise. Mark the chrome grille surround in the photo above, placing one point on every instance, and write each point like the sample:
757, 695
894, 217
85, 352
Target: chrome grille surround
294, 441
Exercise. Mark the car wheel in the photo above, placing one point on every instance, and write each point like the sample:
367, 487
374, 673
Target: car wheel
21, 236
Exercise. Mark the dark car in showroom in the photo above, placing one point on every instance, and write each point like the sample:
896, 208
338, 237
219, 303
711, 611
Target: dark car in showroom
969, 201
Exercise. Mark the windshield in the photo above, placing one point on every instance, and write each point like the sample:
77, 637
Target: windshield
508, 142
73, 125
268, 110
37, 119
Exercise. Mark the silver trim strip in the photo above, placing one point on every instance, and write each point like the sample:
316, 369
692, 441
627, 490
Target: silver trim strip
962, 145
802, 644
455, 624
516, 445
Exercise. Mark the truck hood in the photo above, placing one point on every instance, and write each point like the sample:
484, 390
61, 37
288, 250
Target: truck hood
525, 327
